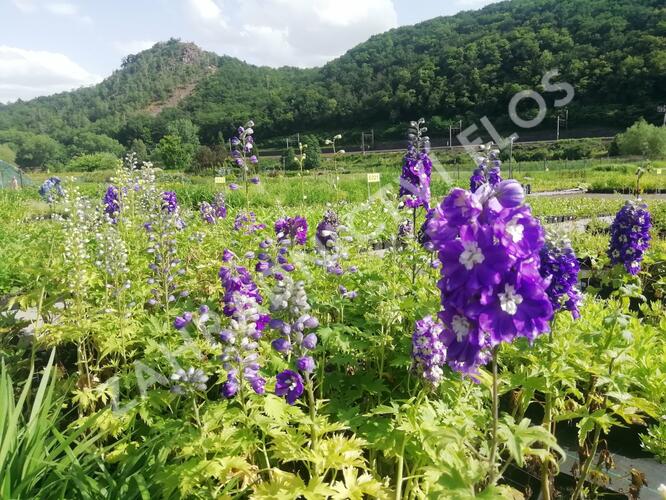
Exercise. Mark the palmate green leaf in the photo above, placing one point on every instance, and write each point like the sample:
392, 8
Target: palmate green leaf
282, 486
520, 439
288, 445
598, 418
355, 487
337, 452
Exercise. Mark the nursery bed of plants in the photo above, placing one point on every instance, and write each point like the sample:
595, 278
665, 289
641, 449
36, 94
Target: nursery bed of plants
243, 341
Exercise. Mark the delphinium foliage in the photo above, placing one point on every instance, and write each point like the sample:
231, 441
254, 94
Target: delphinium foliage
560, 267
162, 227
630, 236
487, 169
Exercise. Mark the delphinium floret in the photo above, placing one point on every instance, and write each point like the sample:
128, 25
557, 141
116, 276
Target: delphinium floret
247, 222
240, 356
291, 230
630, 236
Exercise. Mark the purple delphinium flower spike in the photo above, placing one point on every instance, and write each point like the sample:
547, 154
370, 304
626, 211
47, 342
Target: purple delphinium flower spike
428, 349
560, 267
630, 236
416, 168
491, 287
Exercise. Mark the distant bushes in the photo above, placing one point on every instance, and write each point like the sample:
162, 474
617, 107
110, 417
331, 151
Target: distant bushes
578, 149
92, 162
644, 139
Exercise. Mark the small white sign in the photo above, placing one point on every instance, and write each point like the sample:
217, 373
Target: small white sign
373, 178
661, 108
220, 180
658, 171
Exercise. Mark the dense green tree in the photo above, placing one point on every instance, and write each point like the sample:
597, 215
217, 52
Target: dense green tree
89, 142
138, 147
312, 152
288, 159
7, 153
173, 154
37, 151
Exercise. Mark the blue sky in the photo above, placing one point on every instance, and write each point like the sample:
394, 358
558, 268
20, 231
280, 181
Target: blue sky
48, 46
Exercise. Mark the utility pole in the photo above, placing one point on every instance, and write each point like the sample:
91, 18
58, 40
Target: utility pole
453, 129
565, 120
511, 139
370, 136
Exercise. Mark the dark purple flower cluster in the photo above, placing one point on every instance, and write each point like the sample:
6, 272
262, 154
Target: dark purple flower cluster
487, 170
560, 267
247, 222
416, 168
49, 187
269, 255
327, 230
111, 202
405, 231
237, 280
212, 212
169, 201
491, 290
630, 236
329, 243
428, 349
423, 237
292, 229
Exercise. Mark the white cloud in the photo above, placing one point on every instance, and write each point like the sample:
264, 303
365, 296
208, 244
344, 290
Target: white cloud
29, 73
24, 5
290, 32
207, 10
62, 9
133, 46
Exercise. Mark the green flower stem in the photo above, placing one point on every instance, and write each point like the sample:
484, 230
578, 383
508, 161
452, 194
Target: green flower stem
492, 475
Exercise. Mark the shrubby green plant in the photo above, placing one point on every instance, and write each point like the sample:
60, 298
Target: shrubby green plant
643, 139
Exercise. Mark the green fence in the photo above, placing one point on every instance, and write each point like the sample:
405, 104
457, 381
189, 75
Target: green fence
12, 176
